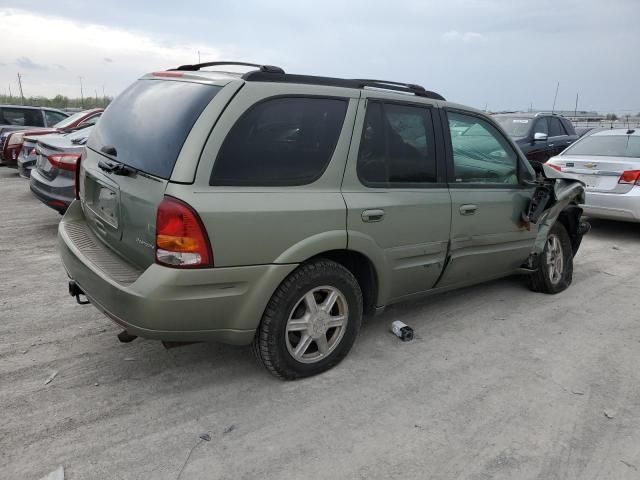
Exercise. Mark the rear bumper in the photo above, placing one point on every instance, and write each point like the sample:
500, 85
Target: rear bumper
58, 198
216, 304
25, 167
621, 206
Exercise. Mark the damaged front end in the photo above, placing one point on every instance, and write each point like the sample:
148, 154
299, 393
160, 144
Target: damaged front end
557, 197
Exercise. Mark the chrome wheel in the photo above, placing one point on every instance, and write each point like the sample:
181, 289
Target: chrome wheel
555, 259
317, 324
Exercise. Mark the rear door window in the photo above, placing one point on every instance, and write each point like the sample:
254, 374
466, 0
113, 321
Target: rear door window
22, 117
282, 141
148, 123
397, 148
555, 127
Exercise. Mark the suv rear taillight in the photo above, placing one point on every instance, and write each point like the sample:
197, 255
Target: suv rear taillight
77, 179
630, 177
181, 239
64, 161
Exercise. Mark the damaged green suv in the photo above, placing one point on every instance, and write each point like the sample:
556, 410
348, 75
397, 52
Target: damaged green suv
276, 210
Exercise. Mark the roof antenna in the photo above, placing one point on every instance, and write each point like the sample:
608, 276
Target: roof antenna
553, 109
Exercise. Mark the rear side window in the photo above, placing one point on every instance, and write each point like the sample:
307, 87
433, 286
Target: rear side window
148, 123
282, 141
397, 147
22, 117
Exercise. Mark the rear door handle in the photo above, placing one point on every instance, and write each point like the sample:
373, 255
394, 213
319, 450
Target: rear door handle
551, 144
468, 209
374, 215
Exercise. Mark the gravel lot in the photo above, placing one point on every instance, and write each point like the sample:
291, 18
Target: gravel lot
499, 383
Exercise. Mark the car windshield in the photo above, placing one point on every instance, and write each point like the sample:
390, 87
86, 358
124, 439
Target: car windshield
69, 120
148, 123
516, 127
607, 146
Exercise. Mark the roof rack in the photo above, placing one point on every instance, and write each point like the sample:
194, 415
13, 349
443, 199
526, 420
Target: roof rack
549, 113
271, 73
197, 66
360, 83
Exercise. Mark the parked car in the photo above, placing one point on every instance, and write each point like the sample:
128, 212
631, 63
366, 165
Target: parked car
275, 210
608, 162
15, 139
19, 117
540, 135
53, 181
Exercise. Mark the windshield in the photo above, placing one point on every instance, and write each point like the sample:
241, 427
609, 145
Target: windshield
148, 123
516, 127
607, 146
69, 120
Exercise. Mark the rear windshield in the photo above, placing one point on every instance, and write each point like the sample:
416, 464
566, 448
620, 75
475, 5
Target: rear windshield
148, 123
514, 126
607, 145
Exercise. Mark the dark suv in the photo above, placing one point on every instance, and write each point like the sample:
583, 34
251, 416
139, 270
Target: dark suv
540, 135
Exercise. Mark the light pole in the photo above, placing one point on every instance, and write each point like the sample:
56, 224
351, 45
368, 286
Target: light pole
81, 94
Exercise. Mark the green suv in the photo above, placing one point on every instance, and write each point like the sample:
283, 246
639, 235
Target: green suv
277, 210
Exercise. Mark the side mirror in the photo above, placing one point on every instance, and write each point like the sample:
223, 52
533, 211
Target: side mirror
540, 137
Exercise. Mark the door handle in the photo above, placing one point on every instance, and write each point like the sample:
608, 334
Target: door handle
374, 215
468, 209
551, 144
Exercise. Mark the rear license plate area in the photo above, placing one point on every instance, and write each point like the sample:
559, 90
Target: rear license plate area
591, 181
102, 200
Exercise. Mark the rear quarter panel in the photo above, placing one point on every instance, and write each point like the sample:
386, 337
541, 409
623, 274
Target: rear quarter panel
263, 225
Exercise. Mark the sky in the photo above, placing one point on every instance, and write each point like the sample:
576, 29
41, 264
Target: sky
495, 54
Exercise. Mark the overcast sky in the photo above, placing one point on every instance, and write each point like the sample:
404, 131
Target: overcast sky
500, 53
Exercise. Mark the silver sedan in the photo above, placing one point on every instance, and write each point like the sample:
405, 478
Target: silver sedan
608, 162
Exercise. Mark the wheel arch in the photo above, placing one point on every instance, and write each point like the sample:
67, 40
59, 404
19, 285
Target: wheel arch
569, 217
362, 268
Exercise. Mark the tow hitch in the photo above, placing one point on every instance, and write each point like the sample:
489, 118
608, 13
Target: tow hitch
75, 291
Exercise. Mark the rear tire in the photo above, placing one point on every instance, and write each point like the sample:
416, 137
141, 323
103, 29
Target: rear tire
311, 321
555, 271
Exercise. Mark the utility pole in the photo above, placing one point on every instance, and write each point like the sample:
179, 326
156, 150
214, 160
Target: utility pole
20, 84
575, 111
553, 109
10, 94
96, 97
81, 94
104, 98
199, 56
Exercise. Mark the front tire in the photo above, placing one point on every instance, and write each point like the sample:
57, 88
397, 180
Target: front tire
311, 321
555, 271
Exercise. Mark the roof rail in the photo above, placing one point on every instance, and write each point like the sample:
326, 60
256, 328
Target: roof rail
198, 66
281, 77
549, 113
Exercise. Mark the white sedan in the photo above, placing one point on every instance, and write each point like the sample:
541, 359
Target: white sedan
608, 162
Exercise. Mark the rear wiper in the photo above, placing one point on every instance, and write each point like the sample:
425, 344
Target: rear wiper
116, 168
109, 150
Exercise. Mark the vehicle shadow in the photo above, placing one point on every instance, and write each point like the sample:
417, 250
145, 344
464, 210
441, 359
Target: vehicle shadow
614, 230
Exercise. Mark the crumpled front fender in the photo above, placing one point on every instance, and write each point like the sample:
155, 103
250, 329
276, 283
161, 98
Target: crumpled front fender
567, 193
